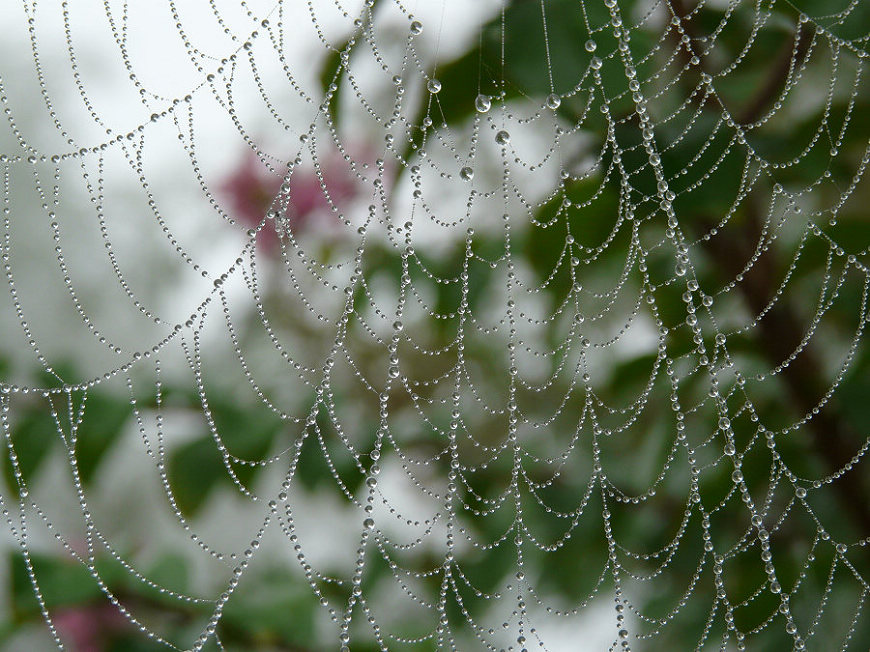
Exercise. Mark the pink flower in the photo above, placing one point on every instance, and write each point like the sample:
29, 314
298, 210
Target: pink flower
89, 628
252, 190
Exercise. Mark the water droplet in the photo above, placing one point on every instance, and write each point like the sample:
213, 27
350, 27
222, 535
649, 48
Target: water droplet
433, 86
591, 45
595, 63
416, 27
502, 137
554, 101
466, 173
368, 524
482, 103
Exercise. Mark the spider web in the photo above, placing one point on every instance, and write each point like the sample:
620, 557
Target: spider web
431, 288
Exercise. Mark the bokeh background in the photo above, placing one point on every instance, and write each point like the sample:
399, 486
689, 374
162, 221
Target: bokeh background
212, 105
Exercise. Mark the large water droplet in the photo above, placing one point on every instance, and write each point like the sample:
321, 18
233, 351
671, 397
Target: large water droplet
482, 103
416, 27
502, 137
591, 45
554, 101
466, 173
433, 86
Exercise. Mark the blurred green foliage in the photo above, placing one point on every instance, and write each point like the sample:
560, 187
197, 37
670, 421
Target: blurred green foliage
274, 608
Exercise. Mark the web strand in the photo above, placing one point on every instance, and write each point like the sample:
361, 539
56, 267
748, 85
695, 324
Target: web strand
558, 315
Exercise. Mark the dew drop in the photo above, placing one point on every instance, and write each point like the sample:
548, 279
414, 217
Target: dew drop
466, 173
482, 103
433, 86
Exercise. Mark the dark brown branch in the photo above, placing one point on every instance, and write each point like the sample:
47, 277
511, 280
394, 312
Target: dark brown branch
795, 50
773, 86
779, 331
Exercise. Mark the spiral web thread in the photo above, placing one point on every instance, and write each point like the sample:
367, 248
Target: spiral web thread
437, 443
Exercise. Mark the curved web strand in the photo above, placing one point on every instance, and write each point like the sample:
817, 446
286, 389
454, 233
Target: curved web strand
474, 319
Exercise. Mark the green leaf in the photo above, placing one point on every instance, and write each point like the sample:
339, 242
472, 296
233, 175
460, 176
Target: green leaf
33, 437
525, 48
61, 583
246, 431
133, 643
331, 73
332, 70
273, 608
525, 70
102, 425
171, 572
194, 469
313, 470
